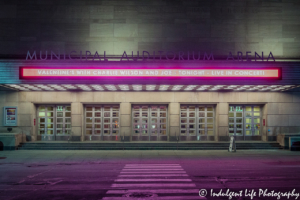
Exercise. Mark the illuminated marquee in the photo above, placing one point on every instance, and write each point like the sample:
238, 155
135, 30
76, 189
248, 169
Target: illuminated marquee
101, 73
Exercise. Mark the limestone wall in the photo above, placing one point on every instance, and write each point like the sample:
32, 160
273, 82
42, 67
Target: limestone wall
280, 110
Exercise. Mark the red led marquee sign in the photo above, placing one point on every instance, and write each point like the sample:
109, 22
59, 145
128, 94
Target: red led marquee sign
37, 72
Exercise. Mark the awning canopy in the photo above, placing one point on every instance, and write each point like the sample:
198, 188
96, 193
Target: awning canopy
138, 87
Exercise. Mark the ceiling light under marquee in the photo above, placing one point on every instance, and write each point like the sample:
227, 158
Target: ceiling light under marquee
136, 87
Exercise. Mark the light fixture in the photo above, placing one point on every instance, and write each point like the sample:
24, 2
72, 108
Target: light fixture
177, 87
124, 87
110, 87
164, 87
190, 87
137, 87
70, 86
150, 87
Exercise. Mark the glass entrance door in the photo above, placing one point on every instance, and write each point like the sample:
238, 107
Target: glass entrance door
102, 122
245, 122
197, 122
140, 122
54, 122
252, 120
149, 123
188, 123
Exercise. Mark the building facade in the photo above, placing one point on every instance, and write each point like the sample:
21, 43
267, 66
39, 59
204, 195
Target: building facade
150, 70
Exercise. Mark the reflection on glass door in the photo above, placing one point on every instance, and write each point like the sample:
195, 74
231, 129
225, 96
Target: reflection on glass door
140, 120
54, 122
252, 120
102, 122
196, 121
149, 122
244, 120
236, 120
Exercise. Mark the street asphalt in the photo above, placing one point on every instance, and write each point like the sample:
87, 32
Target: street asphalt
166, 174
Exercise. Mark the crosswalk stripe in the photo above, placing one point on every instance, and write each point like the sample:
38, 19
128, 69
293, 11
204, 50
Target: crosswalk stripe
153, 164
142, 185
148, 172
152, 180
150, 175
157, 198
158, 191
152, 169
140, 178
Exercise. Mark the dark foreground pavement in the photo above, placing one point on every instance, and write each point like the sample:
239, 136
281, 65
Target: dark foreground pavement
113, 175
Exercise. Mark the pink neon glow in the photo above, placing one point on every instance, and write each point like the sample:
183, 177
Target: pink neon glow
99, 72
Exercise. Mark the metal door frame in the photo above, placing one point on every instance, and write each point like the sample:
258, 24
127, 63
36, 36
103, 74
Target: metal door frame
55, 136
252, 120
111, 128
149, 136
198, 136
244, 117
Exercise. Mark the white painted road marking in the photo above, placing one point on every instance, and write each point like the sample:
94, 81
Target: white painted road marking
153, 180
143, 185
164, 169
148, 172
156, 198
158, 191
148, 166
137, 178
152, 175
152, 165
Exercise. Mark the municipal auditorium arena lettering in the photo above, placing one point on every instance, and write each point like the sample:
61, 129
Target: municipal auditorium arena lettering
145, 55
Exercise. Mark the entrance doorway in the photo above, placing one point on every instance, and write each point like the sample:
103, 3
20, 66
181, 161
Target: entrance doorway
54, 122
197, 122
149, 123
245, 122
102, 122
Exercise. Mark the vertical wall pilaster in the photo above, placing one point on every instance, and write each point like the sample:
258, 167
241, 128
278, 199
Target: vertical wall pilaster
174, 121
222, 121
77, 119
125, 117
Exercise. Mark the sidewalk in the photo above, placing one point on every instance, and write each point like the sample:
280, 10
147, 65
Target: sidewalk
57, 156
